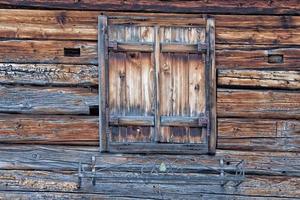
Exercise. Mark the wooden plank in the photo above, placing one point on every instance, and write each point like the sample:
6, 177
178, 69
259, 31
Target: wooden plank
258, 103
47, 100
48, 74
66, 158
103, 83
219, 6
56, 182
49, 129
259, 128
69, 195
157, 89
259, 79
256, 56
132, 120
263, 22
46, 51
79, 25
233, 133
164, 148
183, 121
285, 144
258, 36
212, 85
47, 159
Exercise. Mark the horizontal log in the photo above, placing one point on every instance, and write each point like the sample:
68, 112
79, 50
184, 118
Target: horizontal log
132, 120
233, 133
48, 129
87, 75
260, 144
47, 100
55, 157
78, 25
258, 36
48, 74
28, 195
66, 158
228, 56
183, 121
42, 51
258, 103
220, 6
259, 78
261, 22
231, 128
256, 56
55, 182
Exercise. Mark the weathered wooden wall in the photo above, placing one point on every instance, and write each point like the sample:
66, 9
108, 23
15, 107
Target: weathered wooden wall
49, 98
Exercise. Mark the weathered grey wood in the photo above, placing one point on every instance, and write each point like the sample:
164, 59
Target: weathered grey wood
183, 121
47, 100
259, 78
65, 195
103, 82
132, 120
48, 74
157, 36
66, 158
67, 182
163, 148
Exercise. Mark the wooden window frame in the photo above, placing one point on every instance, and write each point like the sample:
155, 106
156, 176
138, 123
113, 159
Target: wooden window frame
210, 84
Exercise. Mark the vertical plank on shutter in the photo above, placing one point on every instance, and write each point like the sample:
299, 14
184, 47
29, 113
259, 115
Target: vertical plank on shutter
103, 85
196, 92
133, 83
117, 88
166, 93
157, 33
212, 85
180, 95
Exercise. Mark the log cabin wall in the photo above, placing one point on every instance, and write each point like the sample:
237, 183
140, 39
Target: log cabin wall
49, 81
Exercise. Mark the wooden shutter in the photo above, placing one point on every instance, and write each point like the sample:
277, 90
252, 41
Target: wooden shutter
155, 85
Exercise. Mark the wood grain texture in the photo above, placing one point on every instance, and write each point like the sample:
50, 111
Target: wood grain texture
233, 133
279, 79
50, 129
266, 172
47, 100
79, 25
46, 51
256, 56
219, 6
58, 182
258, 103
66, 158
48, 74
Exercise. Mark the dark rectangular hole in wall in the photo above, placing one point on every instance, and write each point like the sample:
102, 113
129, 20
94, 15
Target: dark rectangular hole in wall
275, 58
72, 52
94, 110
